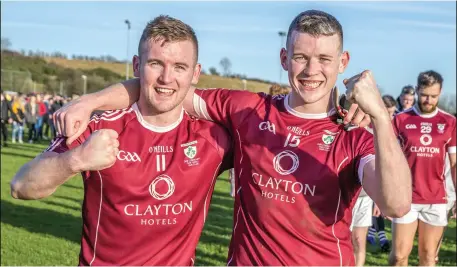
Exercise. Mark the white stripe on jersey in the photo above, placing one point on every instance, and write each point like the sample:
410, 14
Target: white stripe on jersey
111, 116
363, 162
200, 107
98, 220
55, 143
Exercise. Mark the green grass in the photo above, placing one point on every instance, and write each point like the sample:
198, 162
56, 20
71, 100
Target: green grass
47, 232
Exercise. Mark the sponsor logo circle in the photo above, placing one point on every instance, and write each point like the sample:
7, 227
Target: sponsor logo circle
277, 162
170, 184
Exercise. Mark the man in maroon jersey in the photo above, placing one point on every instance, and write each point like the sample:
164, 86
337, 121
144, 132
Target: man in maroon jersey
426, 134
149, 170
298, 172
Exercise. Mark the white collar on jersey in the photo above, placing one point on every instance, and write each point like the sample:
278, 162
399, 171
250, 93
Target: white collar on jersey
157, 129
429, 115
306, 115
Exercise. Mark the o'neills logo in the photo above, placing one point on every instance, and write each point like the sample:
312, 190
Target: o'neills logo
282, 190
164, 214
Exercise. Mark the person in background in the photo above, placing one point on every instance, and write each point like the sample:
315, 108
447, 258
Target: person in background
53, 106
40, 117
31, 116
451, 198
390, 104
18, 115
426, 134
407, 99
277, 89
46, 119
5, 117
378, 227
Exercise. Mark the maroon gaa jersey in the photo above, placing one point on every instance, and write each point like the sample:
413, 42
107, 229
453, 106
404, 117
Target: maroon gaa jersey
149, 208
297, 179
426, 138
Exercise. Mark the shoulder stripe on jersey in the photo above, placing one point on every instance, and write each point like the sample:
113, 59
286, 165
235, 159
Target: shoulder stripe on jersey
362, 163
445, 113
56, 142
97, 119
200, 107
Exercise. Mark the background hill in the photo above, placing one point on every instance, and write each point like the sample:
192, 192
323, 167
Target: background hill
59, 75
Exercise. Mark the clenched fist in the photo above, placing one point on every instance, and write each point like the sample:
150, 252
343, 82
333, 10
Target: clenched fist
99, 151
363, 91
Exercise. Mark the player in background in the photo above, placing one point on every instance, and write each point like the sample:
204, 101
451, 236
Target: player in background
298, 171
426, 133
232, 182
361, 220
407, 99
451, 199
149, 170
378, 227
390, 104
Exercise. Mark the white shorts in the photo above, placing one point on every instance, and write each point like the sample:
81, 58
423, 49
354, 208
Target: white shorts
433, 214
362, 212
450, 204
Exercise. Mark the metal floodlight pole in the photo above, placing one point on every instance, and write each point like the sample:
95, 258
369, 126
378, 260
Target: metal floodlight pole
282, 35
127, 57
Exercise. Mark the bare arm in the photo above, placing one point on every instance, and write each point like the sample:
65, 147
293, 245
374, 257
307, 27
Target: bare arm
387, 179
124, 94
43, 175
116, 96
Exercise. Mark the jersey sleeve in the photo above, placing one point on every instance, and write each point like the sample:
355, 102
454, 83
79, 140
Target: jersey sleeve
364, 151
451, 146
224, 106
59, 144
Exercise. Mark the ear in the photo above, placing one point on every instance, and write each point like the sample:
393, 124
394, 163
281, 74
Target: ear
136, 66
283, 59
344, 61
196, 75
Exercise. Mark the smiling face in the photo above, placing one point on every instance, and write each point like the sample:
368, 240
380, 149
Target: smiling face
313, 58
166, 64
313, 64
166, 71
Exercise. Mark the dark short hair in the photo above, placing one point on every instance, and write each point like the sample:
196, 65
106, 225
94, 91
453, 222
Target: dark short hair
316, 23
389, 101
429, 78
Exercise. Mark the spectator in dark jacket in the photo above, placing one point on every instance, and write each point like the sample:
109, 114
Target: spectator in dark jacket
5, 117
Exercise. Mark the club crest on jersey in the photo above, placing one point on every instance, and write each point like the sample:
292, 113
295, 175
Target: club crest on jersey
328, 139
441, 127
190, 151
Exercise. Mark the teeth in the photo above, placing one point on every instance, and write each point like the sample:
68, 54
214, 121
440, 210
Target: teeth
164, 90
311, 84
